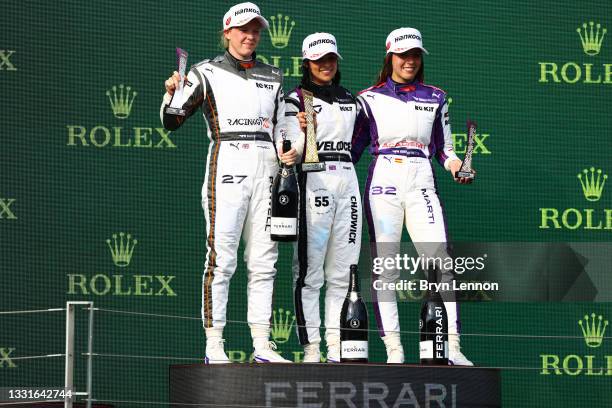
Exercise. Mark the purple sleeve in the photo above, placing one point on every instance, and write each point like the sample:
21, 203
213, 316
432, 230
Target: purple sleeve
361, 134
442, 136
438, 138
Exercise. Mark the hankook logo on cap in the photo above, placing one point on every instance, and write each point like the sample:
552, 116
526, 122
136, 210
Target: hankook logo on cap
321, 41
407, 36
246, 10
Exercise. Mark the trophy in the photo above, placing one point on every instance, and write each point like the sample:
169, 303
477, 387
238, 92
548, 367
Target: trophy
177, 98
311, 156
466, 167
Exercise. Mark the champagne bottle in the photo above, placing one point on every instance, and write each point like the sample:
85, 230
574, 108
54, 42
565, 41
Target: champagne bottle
434, 327
285, 195
354, 324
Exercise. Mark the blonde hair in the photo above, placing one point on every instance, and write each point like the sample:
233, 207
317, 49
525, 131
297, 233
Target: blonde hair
223, 42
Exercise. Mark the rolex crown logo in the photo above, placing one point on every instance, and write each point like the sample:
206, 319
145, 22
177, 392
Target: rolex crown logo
593, 330
280, 30
121, 248
121, 100
282, 323
591, 38
592, 186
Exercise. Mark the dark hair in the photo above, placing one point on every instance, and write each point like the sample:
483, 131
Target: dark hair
306, 78
387, 70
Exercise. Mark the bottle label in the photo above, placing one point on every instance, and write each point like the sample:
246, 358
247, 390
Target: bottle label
283, 226
354, 349
427, 350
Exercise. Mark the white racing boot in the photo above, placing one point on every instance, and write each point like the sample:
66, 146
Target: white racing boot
214, 347
265, 352
312, 353
333, 348
264, 348
455, 356
395, 351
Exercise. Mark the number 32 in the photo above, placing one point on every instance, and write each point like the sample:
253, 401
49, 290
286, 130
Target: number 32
377, 190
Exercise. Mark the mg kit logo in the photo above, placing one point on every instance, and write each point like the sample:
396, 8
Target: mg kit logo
121, 248
593, 329
121, 100
590, 36
592, 182
6, 361
5, 60
6, 212
460, 139
281, 27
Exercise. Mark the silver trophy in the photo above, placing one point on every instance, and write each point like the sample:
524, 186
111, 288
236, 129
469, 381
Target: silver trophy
177, 99
465, 171
311, 154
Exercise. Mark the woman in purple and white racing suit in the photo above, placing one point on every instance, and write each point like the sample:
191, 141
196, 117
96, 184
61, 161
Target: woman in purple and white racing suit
405, 122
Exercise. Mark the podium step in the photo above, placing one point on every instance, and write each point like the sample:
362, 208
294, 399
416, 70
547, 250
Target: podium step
334, 385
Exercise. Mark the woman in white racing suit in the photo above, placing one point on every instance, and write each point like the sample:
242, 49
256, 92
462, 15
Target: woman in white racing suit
241, 101
330, 205
405, 122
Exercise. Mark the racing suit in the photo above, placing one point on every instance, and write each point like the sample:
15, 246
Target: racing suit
240, 103
330, 211
405, 125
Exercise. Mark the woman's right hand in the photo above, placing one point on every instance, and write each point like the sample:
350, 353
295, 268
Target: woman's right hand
301, 117
172, 83
289, 158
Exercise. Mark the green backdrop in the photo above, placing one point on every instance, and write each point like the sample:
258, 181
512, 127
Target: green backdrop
74, 173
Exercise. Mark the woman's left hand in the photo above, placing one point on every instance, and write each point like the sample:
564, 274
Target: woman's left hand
454, 166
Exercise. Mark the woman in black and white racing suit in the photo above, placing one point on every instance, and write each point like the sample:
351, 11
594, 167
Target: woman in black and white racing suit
330, 206
241, 100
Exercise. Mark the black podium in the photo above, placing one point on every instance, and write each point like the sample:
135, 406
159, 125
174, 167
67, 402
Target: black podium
333, 386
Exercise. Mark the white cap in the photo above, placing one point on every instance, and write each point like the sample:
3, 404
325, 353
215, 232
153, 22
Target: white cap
404, 39
241, 14
318, 45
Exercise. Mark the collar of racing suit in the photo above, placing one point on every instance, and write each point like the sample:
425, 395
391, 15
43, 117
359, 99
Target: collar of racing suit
327, 93
239, 65
398, 87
